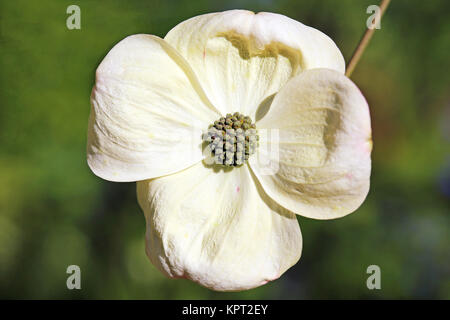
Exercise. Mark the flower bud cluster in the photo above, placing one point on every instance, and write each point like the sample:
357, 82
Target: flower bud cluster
232, 139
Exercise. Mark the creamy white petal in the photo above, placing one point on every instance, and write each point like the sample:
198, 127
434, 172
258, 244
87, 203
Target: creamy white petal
318, 165
214, 228
147, 112
242, 58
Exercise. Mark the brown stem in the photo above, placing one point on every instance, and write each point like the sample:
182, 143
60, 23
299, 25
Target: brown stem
364, 42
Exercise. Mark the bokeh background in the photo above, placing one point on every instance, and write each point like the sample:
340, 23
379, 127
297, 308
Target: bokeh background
54, 212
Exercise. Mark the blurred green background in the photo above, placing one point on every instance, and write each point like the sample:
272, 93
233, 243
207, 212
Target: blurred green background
54, 212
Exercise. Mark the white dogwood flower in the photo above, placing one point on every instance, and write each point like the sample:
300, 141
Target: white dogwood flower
219, 82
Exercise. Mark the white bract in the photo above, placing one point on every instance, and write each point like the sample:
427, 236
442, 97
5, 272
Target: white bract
230, 229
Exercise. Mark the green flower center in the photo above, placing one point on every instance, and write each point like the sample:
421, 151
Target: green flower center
232, 139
